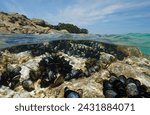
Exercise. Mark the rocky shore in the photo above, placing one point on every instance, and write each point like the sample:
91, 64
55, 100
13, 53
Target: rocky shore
68, 68
17, 23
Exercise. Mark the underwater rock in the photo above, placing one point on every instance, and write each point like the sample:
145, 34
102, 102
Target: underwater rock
106, 58
25, 73
70, 93
44, 69
140, 73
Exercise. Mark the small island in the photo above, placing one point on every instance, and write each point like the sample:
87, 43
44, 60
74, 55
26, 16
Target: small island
18, 23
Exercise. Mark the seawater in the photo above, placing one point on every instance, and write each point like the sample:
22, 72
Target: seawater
141, 41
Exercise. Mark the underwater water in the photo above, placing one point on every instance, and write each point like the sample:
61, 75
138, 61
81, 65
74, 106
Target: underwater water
74, 65
141, 41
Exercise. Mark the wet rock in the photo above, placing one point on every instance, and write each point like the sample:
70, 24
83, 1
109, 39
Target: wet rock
40, 22
130, 51
140, 73
53, 67
25, 73
28, 85
106, 58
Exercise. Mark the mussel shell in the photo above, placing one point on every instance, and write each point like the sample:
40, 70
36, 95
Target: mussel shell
123, 79
107, 85
147, 95
137, 82
119, 87
70, 93
113, 79
110, 94
132, 90
28, 85
130, 80
142, 90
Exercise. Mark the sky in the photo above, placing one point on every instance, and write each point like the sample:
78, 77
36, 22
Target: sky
98, 16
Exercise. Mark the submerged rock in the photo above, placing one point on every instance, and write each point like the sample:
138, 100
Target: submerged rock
96, 69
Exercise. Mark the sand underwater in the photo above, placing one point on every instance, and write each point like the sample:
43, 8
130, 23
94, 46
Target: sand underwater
59, 65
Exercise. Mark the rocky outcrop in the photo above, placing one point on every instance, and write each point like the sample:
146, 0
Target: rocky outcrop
66, 68
17, 23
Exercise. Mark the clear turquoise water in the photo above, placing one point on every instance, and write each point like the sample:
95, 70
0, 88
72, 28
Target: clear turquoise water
142, 41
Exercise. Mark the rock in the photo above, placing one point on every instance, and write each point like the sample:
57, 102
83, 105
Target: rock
22, 95
130, 51
47, 68
106, 58
140, 73
25, 73
40, 22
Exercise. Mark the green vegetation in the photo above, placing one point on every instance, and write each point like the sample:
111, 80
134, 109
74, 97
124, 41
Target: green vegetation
69, 27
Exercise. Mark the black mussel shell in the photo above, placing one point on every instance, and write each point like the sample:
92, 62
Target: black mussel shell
137, 82
119, 87
70, 93
123, 79
110, 94
28, 85
130, 80
113, 78
107, 85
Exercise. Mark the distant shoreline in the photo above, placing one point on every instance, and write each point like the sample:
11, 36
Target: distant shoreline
17, 23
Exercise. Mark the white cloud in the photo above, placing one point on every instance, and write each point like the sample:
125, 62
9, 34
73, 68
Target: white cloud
88, 12
84, 13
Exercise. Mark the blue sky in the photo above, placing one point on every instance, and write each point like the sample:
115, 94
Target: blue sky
98, 16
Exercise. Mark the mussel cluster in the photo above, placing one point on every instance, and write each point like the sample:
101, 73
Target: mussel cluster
53, 66
50, 67
10, 77
121, 87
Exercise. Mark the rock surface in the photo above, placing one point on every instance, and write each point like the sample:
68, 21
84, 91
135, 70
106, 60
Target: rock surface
17, 23
82, 66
